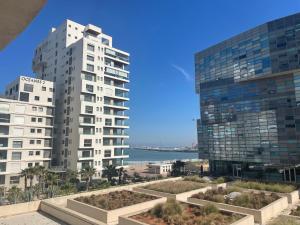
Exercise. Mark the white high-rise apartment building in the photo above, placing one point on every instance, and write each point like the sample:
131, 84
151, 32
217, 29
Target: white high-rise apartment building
90, 78
26, 127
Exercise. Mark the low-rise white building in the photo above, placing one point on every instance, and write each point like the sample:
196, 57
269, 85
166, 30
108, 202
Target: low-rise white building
160, 168
26, 127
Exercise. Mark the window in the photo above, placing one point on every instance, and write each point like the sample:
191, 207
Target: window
28, 87
49, 99
90, 58
107, 153
30, 153
39, 131
40, 120
88, 109
34, 108
14, 180
24, 96
87, 142
29, 164
31, 142
41, 109
36, 98
90, 47
38, 142
37, 153
90, 88
37, 164
17, 144
44, 88
2, 179
33, 119
90, 67
16, 155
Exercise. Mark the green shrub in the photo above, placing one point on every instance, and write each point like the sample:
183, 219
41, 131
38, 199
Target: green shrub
296, 212
273, 187
195, 179
219, 180
157, 210
175, 213
285, 221
246, 199
175, 187
208, 209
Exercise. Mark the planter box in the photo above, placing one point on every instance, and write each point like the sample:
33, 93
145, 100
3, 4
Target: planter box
181, 196
261, 216
67, 215
19, 208
126, 220
293, 197
110, 217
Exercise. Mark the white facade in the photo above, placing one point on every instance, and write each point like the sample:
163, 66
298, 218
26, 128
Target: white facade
26, 127
160, 168
90, 78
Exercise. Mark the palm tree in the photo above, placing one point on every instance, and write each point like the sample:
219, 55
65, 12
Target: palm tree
52, 178
122, 174
14, 194
87, 174
178, 168
110, 172
40, 172
24, 173
30, 176
72, 177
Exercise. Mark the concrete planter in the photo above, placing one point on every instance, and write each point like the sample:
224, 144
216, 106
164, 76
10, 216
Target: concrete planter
67, 215
293, 197
110, 217
261, 216
181, 196
20, 208
126, 220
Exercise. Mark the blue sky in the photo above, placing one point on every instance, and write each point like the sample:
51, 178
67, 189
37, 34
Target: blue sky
162, 37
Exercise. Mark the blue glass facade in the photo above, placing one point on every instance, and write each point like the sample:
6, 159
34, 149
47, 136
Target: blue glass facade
249, 88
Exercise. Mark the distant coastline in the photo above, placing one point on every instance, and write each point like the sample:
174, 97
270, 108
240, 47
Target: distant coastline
161, 149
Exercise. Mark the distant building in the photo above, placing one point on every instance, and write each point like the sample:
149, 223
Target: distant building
91, 80
160, 168
249, 88
26, 127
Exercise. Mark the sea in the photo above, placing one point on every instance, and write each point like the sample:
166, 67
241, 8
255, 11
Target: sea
142, 156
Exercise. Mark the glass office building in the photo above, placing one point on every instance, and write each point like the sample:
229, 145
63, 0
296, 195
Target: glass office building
249, 87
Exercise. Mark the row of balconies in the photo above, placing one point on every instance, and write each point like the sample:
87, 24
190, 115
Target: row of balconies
3, 155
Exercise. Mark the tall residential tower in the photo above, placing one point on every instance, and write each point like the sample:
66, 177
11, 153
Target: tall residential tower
249, 88
90, 77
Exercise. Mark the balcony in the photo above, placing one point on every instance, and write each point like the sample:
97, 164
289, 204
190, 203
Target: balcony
4, 130
3, 142
2, 167
122, 94
4, 118
87, 120
85, 154
47, 143
116, 73
116, 55
3, 155
87, 130
47, 154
